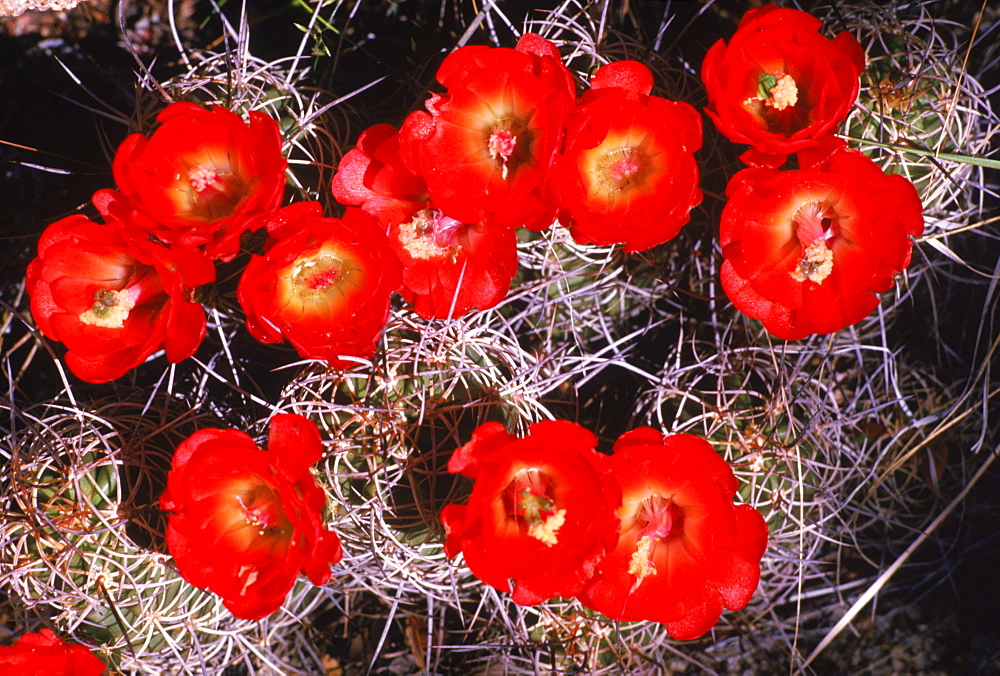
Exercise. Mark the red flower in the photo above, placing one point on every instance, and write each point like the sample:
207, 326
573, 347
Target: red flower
114, 299
779, 85
486, 146
324, 285
538, 514
372, 176
203, 178
245, 522
628, 173
684, 549
449, 267
43, 654
807, 251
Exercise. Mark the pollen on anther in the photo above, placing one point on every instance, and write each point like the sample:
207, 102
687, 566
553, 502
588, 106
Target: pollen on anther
110, 309
501, 146
547, 530
784, 93
624, 169
816, 263
201, 178
640, 565
775, 91
430, 235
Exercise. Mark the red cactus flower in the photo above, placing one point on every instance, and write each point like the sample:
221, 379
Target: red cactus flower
486, 146
779, 85
451, 267
807, 252
244, 522
628, 174
44, 654
372, 176
202, 179
324, 285
538, 515
685, 550
114, 299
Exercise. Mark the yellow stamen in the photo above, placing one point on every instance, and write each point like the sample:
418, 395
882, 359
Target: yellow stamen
775, 91
109, 311
640, 564
816, 263
547, 530
420, 236
783, 94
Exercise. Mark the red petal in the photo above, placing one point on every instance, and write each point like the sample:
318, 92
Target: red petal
185, 330
486, 439
328, 551
293, 445
453, 519
757, 158
737, 573
211, 438
348, 184
776, 318
532, 43
640, 436
631, 76
826, 145
701, 612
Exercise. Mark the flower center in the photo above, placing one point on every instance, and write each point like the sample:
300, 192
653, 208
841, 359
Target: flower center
262, 511
320, 283
529, 497
210, 190
814, 227
544, 520
501, 145
777, 91
508, 142
313, 277
621, 168
204, 177
430, 235
658, 518
110, 309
